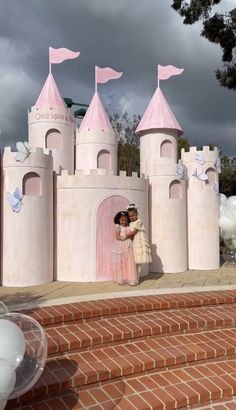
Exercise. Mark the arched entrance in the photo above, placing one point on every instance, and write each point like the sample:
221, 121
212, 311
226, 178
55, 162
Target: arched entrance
105, 234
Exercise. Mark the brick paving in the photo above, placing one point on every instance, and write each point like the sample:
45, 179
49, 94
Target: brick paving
147, 352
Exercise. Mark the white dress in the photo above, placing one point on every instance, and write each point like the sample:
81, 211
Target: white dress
141, 248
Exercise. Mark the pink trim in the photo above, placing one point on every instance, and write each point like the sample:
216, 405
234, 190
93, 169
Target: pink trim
95, 118
50, 95
105, 237
158, 115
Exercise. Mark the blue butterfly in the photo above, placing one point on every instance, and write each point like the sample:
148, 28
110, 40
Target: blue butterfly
15, 200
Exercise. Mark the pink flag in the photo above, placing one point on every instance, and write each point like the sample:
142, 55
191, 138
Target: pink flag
58, 55
165, 72
102, 75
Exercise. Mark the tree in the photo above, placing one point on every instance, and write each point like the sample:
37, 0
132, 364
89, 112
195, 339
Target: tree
128, 142
218, 28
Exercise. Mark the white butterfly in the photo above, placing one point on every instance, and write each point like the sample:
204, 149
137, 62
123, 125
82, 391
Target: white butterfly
181, 171
199, 157
199, 173
217, 165
15, 200
23, 149
215, 188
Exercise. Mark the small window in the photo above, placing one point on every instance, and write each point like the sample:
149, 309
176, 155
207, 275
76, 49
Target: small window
175, 190
166, 149
104, 159
53, 139
32, 184
211, 173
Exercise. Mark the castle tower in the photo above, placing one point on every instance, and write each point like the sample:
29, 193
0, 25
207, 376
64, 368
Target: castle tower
203, 208
27, 228
51, 125
96, 142
159, 131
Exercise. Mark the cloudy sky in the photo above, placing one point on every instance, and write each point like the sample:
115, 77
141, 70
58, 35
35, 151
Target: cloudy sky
132, 36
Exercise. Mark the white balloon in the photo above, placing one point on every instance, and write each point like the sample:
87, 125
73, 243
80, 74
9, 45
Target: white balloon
227, 224
222, 199
12, 342
2, 404
7, 379
231, 201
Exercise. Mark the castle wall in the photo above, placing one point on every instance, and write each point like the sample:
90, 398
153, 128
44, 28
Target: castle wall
167, 201
53, 129
203, 212
88, 146
27, 236
150, 149
78, 199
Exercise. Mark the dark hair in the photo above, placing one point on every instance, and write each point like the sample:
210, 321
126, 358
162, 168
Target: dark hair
119, 215
132, 208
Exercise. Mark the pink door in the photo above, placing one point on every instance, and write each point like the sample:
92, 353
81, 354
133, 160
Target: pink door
105, 235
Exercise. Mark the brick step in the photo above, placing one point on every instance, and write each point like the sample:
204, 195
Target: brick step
84, 311
188, 387
141, 357
110, 331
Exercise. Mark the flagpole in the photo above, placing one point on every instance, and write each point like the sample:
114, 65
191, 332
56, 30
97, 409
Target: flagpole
158, 81
96, 85
50, 68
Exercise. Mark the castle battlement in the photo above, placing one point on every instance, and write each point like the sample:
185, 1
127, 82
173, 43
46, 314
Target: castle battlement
101, 179
38, 158
209, 155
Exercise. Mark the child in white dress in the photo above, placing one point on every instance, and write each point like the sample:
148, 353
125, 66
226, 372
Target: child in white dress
142, 252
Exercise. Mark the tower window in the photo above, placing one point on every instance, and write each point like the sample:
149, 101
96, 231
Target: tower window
175, 190
53, 139
32, 184
166, 149
104, 159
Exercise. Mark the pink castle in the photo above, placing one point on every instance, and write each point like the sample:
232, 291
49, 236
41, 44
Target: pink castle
64, 229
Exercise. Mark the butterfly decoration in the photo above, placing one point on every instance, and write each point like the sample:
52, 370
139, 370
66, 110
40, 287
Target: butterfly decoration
199, 157
15, 200
24, 150
217, 165
215, 188
181, 171
200, 174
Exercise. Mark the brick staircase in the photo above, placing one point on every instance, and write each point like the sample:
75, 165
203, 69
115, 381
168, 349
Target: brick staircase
150, 352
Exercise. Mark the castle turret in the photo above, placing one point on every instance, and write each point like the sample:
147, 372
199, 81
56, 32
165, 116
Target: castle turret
203, 208
159, 131
96, 142
51, 125
27, 211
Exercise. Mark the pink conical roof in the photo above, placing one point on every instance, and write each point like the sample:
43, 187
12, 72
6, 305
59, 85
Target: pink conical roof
158, 115
95, 118
50, 95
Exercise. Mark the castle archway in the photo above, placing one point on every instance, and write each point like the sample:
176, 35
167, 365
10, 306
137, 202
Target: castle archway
31, 184
53, 139
105, 234
104, 159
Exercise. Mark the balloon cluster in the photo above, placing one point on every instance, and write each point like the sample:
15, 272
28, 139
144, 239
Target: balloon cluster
23, 353
227, 223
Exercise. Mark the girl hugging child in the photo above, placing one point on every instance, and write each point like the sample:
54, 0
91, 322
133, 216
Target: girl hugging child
142, 252
124, 267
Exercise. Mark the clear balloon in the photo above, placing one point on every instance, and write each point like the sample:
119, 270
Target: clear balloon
12, 341
230, 242
3, 308
7, 379
35, 352
229, 255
